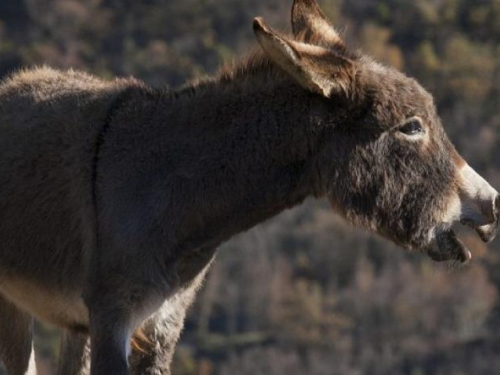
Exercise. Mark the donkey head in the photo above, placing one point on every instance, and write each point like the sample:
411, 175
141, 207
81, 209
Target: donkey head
386, 163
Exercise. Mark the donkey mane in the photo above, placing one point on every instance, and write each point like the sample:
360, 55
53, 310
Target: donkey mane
246, 73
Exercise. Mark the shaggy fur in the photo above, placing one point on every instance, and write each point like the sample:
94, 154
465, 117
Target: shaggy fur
114, 196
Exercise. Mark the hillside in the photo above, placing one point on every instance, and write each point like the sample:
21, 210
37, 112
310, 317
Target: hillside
305, 293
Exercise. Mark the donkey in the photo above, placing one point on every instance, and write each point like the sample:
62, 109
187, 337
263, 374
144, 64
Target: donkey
115, 196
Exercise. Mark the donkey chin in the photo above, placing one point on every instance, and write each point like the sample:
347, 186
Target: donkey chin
476, 205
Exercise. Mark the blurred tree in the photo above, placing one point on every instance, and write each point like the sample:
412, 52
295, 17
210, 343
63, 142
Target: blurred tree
305, 292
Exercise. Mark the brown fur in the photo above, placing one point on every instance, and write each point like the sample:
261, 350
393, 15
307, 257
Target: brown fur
115, 196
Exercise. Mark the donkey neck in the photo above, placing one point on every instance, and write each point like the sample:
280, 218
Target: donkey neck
228, 154
252, 147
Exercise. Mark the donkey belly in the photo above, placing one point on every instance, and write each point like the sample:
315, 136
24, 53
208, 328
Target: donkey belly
46, 235
64, 308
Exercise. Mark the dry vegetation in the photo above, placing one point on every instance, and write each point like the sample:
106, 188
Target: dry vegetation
305, 293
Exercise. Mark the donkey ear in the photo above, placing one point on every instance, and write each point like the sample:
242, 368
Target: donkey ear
310, 25
318, 69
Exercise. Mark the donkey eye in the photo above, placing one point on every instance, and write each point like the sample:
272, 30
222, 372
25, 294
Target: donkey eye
413, 127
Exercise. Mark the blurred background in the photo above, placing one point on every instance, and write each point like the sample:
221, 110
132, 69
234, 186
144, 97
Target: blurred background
305, 293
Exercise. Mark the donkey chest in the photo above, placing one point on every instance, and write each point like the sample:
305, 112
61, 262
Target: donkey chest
62, 308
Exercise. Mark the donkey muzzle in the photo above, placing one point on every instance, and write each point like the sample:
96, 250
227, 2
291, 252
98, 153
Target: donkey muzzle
480, 204
478, 208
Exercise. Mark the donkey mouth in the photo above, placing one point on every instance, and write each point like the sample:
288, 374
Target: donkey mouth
486, 232
447, 246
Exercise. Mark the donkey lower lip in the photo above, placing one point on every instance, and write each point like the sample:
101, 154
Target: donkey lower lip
449, 247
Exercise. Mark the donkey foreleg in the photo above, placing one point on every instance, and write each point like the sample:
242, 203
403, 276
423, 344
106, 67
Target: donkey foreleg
121, 297
16, 340
110, 334
164, 327
154, 347
118, 304
162, 330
